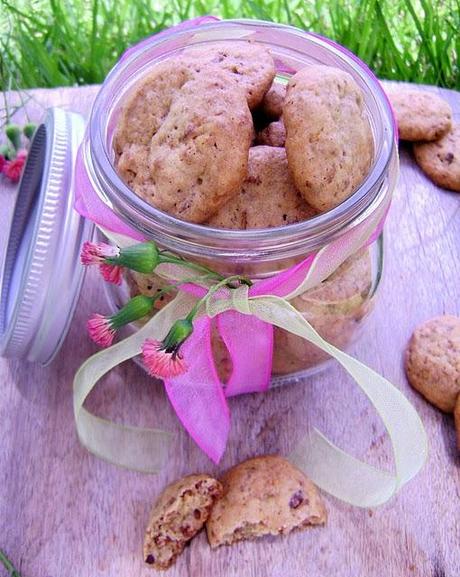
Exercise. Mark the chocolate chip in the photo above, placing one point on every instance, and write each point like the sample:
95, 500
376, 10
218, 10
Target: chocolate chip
197, 514
296, 500
150, 559
449, 158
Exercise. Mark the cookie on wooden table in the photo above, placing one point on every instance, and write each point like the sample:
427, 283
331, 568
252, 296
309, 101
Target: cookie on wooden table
179, 513
440, 160
263, 496
272, 135
420, 115
329, 140
250, 64
268, 196
273, 101
457, 420
433, 361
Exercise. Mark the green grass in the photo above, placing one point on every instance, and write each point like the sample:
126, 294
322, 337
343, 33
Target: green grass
62, 43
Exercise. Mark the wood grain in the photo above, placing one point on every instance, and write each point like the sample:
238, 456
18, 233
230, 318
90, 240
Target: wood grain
64, 512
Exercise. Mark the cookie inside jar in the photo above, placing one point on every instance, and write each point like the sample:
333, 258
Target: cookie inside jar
213, 137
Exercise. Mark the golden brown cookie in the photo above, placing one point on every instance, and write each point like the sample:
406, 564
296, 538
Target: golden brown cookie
457, 420
433, 361
249, 63
440, 160
268, 196
272, 135
264, 496
196, 159
179, 513
420, 115
272, 103
329, 140
147, 104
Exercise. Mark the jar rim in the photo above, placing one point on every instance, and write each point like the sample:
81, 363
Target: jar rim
208, 242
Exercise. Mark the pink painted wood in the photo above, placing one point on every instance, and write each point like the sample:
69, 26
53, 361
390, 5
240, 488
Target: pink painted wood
64, 512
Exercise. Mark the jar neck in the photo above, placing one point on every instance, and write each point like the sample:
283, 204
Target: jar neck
294, 49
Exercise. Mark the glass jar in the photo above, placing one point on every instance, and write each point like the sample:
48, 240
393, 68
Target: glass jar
338, 307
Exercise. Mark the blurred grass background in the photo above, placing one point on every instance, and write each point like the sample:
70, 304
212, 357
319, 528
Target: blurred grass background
51, 43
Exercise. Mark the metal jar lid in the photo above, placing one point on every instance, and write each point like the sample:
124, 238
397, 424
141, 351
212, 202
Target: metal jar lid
42, 276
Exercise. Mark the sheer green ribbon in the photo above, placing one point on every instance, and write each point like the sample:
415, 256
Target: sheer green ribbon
332, 469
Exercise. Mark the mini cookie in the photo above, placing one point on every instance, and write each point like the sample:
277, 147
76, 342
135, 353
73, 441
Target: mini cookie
179, 513
264, 496
457, 420
433, 361
420, 115
273, 101
272, 135
268, 196
440, 160
329, 141
197, 158
250, 64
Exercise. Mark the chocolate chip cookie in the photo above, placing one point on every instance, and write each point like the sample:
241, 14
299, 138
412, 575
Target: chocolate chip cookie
273, 101
272, 135
420, 115
440, 160
179, 513
329, 140
251, 65
263, 496
196, 156
268, 196
433, 361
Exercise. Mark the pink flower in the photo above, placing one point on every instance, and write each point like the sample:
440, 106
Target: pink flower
13, 168
161, 363
97, 253
2, 162
111, 273
101, 330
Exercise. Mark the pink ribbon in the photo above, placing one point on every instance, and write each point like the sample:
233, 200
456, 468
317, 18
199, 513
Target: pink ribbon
198, 396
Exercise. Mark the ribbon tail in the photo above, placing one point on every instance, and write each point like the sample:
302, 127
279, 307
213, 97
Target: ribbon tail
338, 473
198, 397
136, 448
251, 352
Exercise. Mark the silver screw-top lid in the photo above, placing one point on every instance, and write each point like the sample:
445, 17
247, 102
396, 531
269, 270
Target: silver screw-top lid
42, 276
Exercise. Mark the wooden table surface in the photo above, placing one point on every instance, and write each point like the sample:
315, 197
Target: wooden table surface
65, 513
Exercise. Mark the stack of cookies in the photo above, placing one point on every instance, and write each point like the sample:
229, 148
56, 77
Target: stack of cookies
426, 120
211, 137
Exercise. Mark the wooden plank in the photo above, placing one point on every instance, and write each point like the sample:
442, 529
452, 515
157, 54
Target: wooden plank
64, 512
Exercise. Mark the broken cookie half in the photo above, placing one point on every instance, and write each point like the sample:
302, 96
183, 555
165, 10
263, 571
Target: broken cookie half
178, 515
264, 496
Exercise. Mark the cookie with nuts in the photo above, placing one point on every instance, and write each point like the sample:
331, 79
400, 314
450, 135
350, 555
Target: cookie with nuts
194, 155
432, 361
264, 496
179, 513
440, 160
272, 135
250, 64
267, 197
420, 115
329, 141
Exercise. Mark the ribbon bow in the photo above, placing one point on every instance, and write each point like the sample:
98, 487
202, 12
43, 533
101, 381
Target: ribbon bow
245, 319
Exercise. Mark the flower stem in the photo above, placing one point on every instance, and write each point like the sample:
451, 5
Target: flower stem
225, 282
12, 572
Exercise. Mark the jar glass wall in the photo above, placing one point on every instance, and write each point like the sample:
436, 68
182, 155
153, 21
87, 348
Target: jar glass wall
338, 307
